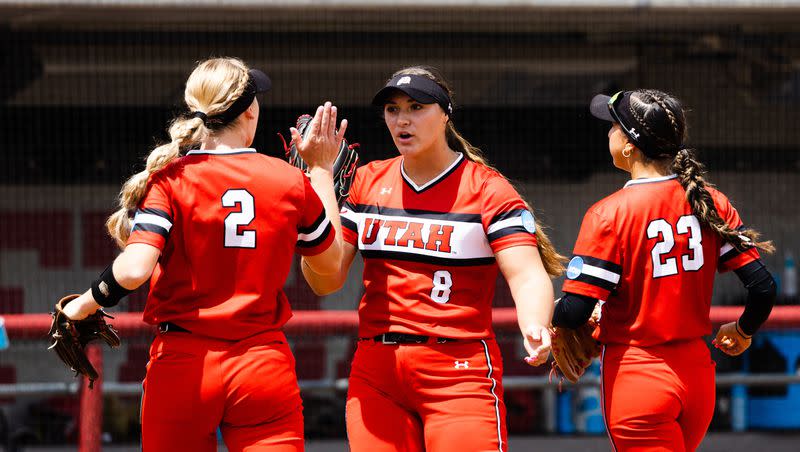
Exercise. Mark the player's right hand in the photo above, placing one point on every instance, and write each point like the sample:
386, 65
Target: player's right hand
731, 341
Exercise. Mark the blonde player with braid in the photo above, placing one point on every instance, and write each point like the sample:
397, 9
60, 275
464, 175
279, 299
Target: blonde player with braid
651, 250
435, 225
217, 228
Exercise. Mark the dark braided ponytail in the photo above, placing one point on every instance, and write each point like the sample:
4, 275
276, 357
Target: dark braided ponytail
663, 119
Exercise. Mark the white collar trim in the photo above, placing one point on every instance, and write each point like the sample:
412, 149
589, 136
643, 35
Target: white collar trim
220, 151
435, 179
648, 180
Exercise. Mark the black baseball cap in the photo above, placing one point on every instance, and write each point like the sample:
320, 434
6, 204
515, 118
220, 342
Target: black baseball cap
257, 82
617, 108
418, 87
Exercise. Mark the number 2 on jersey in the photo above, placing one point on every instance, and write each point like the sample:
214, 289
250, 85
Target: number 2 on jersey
692, 261
442, 282
246, 213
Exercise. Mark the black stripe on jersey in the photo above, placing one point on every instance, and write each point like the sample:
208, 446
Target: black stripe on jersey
733, 252
401, 256
349, 205
349, 224
156, 212
594, 281
441, 178
605, 265
310, 244
150, 227
429, 214
507, 231
313, 227
506, 215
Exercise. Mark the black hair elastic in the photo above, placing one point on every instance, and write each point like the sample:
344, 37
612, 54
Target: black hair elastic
201, 115
106, 290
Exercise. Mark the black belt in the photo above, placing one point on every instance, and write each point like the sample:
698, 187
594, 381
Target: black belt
169, 327
403, 338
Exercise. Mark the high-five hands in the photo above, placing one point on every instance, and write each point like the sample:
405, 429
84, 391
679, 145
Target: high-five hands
319, 145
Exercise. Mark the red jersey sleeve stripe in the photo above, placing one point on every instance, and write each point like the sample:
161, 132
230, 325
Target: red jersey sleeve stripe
507, 223
152, 220
349, 224
315, 237
502, 216
349, 218
728, 251
313, 226
593, 271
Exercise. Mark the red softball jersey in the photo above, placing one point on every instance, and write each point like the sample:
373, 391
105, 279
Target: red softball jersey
228, 224
429, 265
643, 251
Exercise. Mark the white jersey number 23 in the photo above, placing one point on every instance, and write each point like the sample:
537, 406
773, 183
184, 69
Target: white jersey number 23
691, 261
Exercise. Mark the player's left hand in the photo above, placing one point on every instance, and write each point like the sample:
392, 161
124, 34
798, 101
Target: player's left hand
537, 344
319, 145
731, 340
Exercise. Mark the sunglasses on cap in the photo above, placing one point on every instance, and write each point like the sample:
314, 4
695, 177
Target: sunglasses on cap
613, 101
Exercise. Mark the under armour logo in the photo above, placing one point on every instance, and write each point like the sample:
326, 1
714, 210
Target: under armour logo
460, 365
634, 134
386, 190
404, 81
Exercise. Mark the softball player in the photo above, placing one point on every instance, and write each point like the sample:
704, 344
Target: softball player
651, 250
217, 229
433, 226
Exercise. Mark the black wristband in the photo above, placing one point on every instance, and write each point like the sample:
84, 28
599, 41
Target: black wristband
106, 290
741, 333
573, 310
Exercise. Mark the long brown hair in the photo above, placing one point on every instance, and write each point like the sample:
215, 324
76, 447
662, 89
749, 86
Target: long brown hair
552, 260
663, 118
211, 88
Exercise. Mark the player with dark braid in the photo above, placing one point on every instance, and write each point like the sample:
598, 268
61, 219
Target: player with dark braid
651, 251
216, 226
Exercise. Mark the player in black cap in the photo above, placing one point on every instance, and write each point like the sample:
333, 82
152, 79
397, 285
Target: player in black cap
216, 226
651, 251
434, 226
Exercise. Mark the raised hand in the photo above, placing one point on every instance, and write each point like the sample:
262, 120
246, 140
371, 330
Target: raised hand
319, 144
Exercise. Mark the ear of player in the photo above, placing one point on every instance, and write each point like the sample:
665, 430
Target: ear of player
69, 338
344, 167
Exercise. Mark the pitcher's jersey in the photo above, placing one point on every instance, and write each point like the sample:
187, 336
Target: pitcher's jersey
428, 251
643, 251
228, 224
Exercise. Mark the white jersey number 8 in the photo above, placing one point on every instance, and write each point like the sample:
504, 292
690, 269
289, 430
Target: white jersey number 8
442, 282
693, 261
246, 213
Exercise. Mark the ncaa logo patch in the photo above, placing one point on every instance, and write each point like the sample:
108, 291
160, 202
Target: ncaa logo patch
403, 81
575, 267
528, 222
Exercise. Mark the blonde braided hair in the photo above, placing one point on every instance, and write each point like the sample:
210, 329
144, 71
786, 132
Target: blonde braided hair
211, 88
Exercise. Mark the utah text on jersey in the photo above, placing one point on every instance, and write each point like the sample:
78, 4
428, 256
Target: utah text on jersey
455, 239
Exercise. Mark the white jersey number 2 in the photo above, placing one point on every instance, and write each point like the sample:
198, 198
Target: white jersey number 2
692, 261
246, 203
442, 282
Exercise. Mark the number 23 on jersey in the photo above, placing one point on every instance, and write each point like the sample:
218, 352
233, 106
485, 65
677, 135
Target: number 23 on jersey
691, 258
